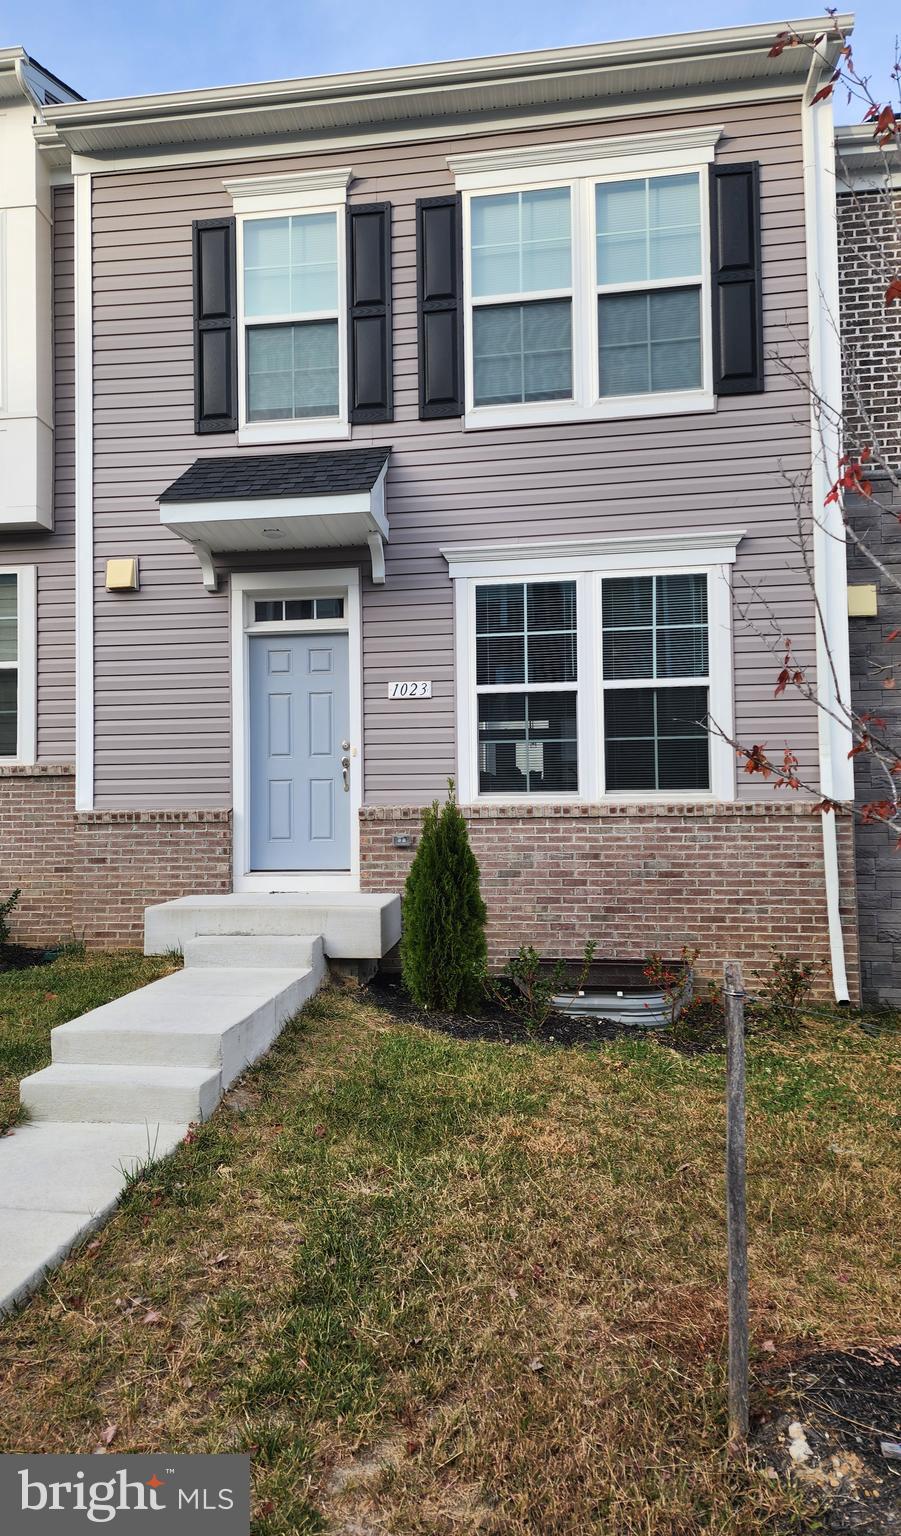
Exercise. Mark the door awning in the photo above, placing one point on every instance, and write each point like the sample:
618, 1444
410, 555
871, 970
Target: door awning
248, 503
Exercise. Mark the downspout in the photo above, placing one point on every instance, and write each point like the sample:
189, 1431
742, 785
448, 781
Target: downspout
829, 551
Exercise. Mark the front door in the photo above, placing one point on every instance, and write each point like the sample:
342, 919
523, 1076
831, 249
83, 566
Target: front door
299, 734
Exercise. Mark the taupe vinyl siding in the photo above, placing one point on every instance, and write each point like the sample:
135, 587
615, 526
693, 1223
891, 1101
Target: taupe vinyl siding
162, 662
54, 553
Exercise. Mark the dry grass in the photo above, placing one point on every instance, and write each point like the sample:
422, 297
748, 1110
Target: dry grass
442, 1288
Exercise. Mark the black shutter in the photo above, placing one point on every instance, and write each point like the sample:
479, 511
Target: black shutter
215, 327
369, 312
439, 288
735, 254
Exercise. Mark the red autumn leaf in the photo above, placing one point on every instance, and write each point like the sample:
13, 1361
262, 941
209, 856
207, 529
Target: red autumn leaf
893, 291
885, 122
823, 94
889, 683
894, 634
877, 810
824, 805
266, 1508
861, 746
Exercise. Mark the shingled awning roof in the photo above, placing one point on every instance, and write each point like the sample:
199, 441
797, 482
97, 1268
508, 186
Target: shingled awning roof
250, 502
250, 476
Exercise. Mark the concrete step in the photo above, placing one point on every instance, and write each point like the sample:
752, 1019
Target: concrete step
220, 1018
140, 1094
354, 925
234, 950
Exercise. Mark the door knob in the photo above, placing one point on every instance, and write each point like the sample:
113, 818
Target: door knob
345, 771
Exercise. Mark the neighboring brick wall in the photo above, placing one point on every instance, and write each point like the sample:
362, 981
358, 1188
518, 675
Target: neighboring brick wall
869, 256
89, 875
128, 860
873, 662
731, 880
36, 850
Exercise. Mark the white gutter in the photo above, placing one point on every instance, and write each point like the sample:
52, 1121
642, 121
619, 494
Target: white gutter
829, 552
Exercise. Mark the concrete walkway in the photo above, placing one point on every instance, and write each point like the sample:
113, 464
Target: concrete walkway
125, 1082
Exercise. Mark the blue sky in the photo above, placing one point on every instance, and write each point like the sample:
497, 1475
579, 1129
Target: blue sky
121, 47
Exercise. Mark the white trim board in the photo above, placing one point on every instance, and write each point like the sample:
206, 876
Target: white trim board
288, 191
245, 586
84, 499
25, 665
638, 153
699, 546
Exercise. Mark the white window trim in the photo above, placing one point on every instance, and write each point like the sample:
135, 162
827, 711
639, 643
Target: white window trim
25, 665
581, 166
710, 552
245, 588
256, 197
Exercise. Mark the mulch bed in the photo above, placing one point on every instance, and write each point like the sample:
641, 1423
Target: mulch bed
837, 1409
17, 957
493, 1022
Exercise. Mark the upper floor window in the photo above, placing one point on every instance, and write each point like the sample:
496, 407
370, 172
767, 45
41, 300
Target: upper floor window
291, 317
648, 237
522, 297
587, 291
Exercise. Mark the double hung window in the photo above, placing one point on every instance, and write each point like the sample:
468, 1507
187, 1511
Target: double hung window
291, 317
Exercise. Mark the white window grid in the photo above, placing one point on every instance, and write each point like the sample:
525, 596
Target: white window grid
590, 687
295, 428
587, 401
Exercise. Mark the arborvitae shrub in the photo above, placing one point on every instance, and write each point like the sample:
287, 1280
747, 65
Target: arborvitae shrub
442, 950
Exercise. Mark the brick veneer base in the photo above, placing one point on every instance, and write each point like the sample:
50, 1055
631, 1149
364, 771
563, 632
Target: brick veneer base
90, 874
730, 881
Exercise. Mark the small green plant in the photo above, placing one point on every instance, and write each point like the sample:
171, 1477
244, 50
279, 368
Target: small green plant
534, 985
784, 993
442, 951
6, 906
675, 982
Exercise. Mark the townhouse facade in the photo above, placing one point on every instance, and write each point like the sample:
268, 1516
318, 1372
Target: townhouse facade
439, 423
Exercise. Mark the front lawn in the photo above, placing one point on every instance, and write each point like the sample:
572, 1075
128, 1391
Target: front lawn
437, 1286
32, 1001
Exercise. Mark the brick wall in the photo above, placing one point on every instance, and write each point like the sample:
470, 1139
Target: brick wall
89, 875
730, 880
869, 256
36, 850
128, 860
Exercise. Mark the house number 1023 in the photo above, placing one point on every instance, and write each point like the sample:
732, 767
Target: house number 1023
409, 690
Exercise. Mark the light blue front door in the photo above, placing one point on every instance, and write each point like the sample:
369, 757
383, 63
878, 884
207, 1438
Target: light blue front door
299, 724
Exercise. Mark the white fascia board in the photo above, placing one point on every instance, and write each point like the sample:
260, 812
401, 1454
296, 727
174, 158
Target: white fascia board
639, 151
490, 121
699, 547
